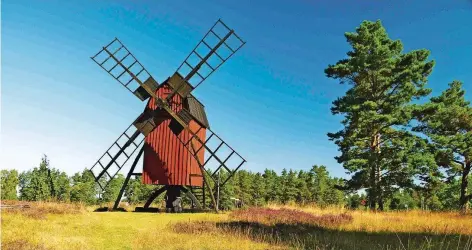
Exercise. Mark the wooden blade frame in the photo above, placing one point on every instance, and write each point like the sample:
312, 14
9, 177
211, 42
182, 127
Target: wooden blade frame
113, 160
213, 145
125, 68
215, 48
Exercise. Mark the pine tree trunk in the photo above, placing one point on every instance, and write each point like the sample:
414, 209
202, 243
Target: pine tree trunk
374, 189
381, 203
464, 198
378, 178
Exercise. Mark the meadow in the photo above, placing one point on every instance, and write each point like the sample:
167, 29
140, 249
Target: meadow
73, 226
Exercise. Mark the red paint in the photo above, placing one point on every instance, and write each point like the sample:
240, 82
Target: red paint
166, 160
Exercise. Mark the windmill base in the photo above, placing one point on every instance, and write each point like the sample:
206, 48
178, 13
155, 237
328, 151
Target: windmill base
173, 194
173, 199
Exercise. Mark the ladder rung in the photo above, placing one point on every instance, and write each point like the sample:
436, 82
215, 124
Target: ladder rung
190, 140
118, 77
139, 72
119, 63
227, 46
218, 55
135, 61
112, 68
219, 146
222, 39
126, 85
116, 51
229, 170
215, 34
189, 65
109, 155
207, 45
201, 58
200, 75
104, 61
219, 20
211, 67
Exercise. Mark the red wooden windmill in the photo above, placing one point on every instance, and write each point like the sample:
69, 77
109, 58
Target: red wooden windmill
178, 143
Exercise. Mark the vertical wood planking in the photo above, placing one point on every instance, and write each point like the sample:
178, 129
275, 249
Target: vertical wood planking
166, 160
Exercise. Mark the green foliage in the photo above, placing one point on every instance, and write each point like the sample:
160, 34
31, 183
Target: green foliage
301, 187
226, 193
289, 186
36, 185
402, 200
111, 191
354, 201
271, 183
83, 188
9, 183
137, 192
447, 121
375, 146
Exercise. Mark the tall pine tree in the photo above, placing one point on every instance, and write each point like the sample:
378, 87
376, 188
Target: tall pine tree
383, 81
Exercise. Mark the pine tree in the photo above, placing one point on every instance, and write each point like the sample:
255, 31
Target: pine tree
9, 183
36, 185
320, 184
226, 192
272, 186
303, 193
384, 81
447, 120
62, 186
258, 190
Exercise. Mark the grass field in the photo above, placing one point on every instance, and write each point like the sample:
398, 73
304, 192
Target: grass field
68, 226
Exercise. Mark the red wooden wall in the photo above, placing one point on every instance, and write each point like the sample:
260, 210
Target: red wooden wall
166, 160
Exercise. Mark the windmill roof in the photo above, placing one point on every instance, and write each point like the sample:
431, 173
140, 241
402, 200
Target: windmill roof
197, 110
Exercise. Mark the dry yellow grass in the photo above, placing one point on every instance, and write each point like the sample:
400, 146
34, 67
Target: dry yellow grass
47, 226
111, 230
414, 221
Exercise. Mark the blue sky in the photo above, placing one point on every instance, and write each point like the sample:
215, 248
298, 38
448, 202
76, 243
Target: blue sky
271, 101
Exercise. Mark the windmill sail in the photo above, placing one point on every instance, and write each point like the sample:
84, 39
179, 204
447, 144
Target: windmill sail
214, 49
121, 64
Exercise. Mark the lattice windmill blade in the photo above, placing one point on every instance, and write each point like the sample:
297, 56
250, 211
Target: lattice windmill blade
222, 153
214, 49
113, 160
121, 64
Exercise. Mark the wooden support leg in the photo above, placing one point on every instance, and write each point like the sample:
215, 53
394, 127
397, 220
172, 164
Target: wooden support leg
154, 195
118, 199
205, 181
191, 197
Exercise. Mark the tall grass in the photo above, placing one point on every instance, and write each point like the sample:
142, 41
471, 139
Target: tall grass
58, 226
74, 226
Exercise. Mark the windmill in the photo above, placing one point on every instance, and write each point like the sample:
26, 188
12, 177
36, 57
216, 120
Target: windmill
172, 134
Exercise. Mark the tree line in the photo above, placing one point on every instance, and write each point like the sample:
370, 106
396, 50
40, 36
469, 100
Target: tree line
303, 187
45, 183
